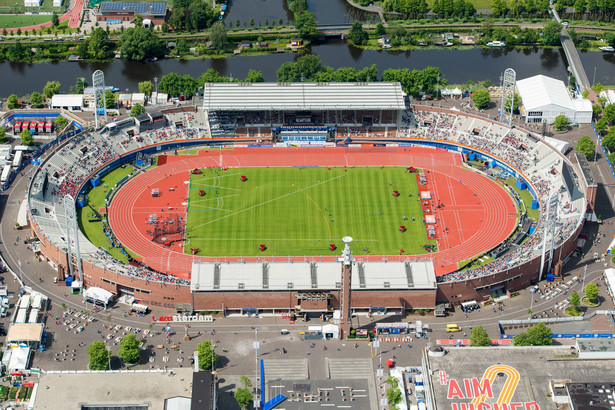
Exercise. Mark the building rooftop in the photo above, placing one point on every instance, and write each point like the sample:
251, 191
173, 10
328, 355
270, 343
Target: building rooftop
596, 345
143, 9
587, 172
303, 96
532, 367
310, 276
594, 396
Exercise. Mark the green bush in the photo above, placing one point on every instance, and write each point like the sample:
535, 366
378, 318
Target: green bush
4, 392
23, 392
12, 393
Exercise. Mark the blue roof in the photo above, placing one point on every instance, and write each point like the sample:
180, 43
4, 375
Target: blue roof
143, 9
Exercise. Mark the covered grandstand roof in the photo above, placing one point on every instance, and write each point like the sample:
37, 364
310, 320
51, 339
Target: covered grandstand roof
541, 91
303, 96
310, 276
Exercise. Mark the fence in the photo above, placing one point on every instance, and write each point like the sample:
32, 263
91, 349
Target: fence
531, 322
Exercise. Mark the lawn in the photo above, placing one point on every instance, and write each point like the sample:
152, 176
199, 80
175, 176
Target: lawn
300, 211
22, 20
526, 197
96, 198
14, 7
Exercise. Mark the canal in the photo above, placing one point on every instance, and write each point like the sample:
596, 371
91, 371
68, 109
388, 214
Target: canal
457, 65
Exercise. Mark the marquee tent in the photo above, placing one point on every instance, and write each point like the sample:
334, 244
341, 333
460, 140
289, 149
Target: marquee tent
98, 295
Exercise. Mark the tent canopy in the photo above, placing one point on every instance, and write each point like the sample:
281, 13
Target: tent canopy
19, 358
98, 294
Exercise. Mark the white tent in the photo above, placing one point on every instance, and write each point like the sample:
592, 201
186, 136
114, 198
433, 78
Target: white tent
19, 358
22, 215
98, 295
561, 146
446, 91
456, 91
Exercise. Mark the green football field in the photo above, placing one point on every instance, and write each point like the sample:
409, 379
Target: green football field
300, 211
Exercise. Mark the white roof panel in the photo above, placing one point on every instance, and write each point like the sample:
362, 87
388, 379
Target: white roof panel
67, 100
303, 96
540, 91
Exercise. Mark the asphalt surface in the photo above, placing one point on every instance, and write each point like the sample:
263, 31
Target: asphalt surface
68, 350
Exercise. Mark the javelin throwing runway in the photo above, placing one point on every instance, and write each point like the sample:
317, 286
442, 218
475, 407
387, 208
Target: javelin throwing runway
478, 213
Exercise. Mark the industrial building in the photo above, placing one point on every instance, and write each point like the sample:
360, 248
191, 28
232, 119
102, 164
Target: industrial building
544, 98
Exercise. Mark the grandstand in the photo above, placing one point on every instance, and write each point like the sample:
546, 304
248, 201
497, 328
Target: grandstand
304, 113
537, 166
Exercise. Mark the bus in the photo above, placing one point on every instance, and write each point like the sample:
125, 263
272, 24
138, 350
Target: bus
17, 159
6, 173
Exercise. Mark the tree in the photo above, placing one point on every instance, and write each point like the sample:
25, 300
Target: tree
110, 99
380, 29
61, 122
574, 299
243, 395
368, 73
591, 293
13, 102
3, 138
551, 32
305, 23
560, 123
537, 335
207, 357
36, 99
51, 88
129, 349
609, 141
587, 147
356, 34
99, 45
139, 43
55, 20
99, 356
218, 35
597, 109
393, 393
146, 87
481, 99
26, 138
137, 109
609, 114
17, 52
254, 76
479, 337
137, 21
602, 125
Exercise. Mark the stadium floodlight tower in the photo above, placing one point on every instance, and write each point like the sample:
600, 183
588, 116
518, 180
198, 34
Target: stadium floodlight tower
550, 222
508, 93
98, 83
72, 228
345, 313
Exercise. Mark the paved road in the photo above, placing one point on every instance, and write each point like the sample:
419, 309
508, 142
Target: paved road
572, 55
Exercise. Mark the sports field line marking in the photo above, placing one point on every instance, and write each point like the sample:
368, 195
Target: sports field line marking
321, 212
192, 203
267, 202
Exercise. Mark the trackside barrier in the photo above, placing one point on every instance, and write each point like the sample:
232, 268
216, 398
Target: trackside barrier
606, 155
524, 324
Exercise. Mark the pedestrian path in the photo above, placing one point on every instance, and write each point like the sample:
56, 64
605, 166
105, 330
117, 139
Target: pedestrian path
287, 369
349, 368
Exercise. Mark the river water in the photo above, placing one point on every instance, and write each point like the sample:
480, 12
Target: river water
457, 65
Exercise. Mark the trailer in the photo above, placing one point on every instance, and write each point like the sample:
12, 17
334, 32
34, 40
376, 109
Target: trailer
6, 173
48, 127
17, 127
17, 159
40, 127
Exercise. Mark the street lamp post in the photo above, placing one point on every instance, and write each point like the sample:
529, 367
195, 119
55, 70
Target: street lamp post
584, 274
20, 272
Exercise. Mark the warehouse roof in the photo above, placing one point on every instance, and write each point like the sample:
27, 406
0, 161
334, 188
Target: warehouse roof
303, 96
143, 9
540, 91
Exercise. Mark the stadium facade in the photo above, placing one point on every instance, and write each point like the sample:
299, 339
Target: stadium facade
312, 287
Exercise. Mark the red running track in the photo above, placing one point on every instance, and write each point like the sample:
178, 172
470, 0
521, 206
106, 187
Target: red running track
73, 16
478, 212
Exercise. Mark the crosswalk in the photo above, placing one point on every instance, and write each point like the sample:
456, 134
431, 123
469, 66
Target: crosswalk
286, 369
349, 368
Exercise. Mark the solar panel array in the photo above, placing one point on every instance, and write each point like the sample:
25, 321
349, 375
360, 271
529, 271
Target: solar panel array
143, 9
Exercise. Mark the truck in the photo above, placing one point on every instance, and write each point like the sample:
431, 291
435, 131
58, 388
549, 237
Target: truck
6, 173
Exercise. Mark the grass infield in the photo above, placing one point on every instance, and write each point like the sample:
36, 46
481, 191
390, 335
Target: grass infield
300, 211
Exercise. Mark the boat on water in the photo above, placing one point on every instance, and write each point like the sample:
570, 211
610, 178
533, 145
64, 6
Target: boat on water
496, 44
607, 49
